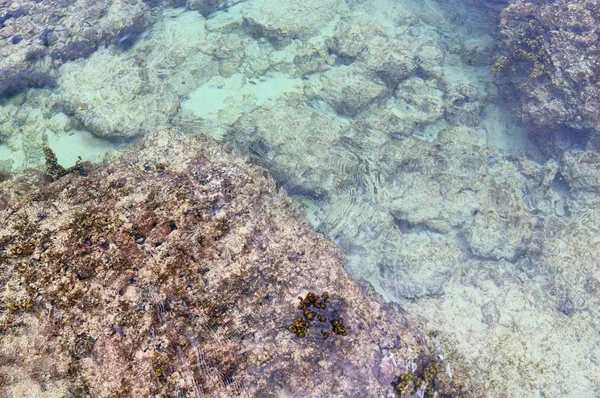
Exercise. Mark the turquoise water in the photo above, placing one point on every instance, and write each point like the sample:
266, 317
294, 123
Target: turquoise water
384, 120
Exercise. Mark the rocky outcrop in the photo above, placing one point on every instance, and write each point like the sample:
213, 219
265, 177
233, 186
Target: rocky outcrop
176, 271
549, 50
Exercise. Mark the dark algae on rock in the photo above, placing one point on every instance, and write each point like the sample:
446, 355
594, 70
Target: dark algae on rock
314, 309
54, 170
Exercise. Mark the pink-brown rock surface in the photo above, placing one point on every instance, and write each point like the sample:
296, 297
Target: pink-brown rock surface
550, 51
175, 271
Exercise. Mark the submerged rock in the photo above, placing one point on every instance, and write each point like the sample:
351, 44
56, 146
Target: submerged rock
289, 19
33, 31
347, 89
114, 98
549, 50
176, 271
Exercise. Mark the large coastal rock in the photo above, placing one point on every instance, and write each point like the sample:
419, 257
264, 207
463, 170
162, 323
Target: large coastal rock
550, 51
176, 271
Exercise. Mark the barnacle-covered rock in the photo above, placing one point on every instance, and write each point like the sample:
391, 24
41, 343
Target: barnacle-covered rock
175, 271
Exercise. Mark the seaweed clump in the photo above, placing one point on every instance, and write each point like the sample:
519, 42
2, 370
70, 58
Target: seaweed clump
422, 381
54, 170
301, 327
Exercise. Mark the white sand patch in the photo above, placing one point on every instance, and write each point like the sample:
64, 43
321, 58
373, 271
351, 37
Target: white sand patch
68, 146
502, 132
226, 98
15, 157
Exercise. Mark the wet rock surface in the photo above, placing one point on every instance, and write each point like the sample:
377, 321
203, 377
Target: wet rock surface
176, 270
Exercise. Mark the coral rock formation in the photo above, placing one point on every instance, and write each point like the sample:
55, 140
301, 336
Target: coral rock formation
176, 271
550, 51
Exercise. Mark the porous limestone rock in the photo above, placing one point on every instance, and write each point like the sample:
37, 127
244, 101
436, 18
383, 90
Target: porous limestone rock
114, 97
294, 133
176, 270
580, 171
478, 51
207, 7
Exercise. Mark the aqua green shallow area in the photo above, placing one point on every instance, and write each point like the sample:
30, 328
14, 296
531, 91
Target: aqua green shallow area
383, 119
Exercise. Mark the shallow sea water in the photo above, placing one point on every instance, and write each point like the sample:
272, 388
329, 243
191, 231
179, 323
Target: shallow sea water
383, 119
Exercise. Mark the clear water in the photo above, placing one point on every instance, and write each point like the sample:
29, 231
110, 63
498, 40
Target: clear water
383, 119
